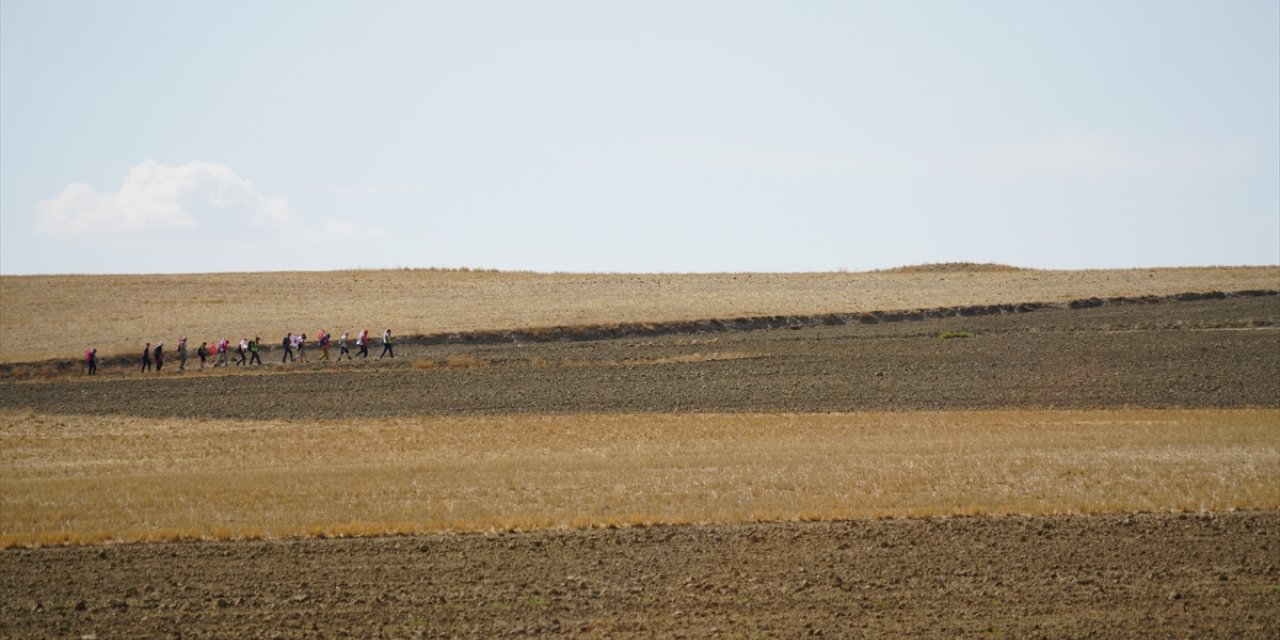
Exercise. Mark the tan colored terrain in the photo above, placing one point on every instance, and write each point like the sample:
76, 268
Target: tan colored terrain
45, 317
85, 480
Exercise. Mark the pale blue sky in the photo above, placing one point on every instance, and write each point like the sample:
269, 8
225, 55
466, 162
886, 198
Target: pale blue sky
644, 136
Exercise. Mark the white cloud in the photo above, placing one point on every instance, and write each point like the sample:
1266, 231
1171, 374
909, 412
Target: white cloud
156, 198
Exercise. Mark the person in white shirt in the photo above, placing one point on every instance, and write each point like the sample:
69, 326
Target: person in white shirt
342, 346
363, 342
386, 345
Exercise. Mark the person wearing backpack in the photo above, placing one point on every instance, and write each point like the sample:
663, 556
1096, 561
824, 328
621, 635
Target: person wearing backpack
159, 356
203, 353
91, 359
287, 343
182, 353
324, 344
253, 350
224, 345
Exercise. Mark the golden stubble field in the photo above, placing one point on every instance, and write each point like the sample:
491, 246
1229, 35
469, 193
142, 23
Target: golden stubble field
44, 317
72, 479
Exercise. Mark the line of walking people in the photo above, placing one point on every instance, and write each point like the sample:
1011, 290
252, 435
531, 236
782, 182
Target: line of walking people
295, 346
249, 351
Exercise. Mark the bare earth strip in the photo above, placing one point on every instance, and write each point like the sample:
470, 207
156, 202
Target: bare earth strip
84, 479
1118, 576
44, 317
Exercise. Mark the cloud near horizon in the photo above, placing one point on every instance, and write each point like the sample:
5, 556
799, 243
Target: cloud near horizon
158, 199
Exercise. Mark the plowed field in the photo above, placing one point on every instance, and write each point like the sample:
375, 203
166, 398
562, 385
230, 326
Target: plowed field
1054, 576
1210, 353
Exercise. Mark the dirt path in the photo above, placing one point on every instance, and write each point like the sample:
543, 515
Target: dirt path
1214, 353
1053, 577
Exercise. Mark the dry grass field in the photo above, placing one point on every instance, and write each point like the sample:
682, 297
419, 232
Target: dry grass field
1131, 452
73, 479
43, 317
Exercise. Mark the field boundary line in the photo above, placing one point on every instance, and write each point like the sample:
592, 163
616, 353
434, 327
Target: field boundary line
593, 332
613, 331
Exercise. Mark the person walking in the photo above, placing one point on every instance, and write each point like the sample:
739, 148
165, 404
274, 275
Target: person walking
146, 357
342, 346
324, 344
243, 351
159, 356
301, 344
253, 350
287, 343
224, 345
203, 353
362, 341
91, 360
182, 353
386, 345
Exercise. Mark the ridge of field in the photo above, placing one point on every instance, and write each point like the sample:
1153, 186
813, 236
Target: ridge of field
50, 317
76, 479
1207, 353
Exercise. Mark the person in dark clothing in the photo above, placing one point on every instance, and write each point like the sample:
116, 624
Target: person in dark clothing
203, 352
91, 358
146, 357
253, 350
287, 343
159, 356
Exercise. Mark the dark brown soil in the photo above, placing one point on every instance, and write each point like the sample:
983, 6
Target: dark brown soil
1049, 577
1211, 353
1210, 575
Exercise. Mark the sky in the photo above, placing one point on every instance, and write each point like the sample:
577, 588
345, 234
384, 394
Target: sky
685, 136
